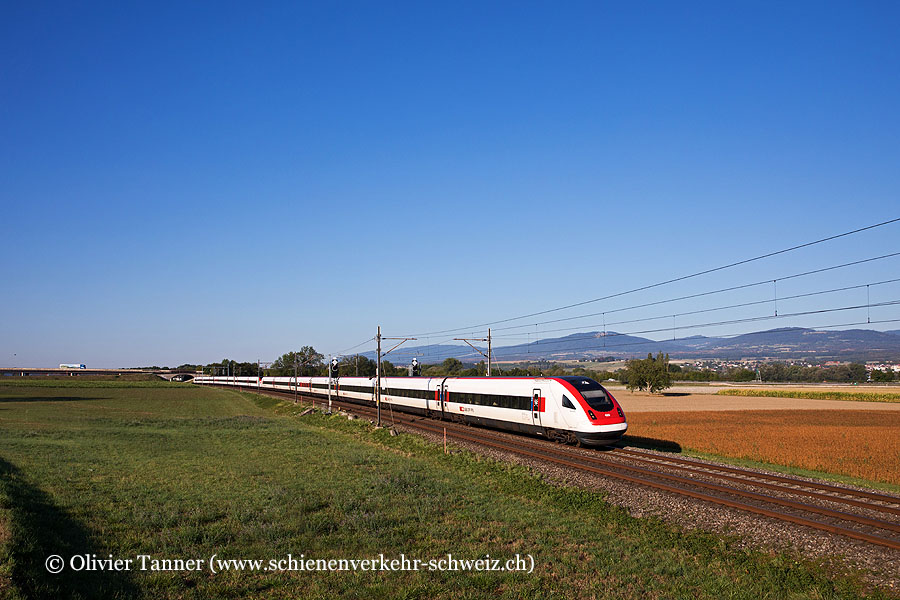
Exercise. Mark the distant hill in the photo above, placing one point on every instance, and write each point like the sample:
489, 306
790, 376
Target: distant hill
799, 343
791, 343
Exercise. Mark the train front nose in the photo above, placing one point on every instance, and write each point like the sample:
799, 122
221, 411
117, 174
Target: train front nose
603, 435
607, 425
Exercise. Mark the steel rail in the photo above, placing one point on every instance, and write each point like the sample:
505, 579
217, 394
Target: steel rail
709, 470
782, 478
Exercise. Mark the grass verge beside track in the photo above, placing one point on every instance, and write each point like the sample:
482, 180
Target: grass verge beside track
814, 395
187, 472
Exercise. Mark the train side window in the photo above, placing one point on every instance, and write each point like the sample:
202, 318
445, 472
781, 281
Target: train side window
567, 403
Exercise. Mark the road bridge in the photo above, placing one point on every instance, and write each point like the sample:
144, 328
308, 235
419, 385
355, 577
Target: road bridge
168, 374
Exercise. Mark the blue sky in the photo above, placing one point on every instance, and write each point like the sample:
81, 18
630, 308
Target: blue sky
183, 183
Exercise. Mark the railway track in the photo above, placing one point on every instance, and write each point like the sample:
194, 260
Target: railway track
863, 515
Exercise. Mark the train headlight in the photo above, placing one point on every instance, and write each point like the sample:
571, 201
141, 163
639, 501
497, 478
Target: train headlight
592, 415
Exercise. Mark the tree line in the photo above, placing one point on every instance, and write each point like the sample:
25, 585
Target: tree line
782, 372
652, 373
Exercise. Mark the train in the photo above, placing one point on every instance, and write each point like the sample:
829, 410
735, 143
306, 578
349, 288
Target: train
574, 410
78, 366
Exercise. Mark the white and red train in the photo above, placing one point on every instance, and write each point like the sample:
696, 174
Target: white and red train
567, 409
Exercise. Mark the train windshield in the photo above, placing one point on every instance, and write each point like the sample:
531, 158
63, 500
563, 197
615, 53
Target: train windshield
594, 393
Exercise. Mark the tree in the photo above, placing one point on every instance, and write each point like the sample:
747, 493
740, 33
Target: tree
882, 376
651, 373
857, 372
389, 370
308, 362
738, 374
351, 365
452, 366
226, 366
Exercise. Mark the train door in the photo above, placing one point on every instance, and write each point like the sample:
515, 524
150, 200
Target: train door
433, 402
537, 406
444, 397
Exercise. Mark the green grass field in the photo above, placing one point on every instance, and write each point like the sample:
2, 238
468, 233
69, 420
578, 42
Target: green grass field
178, 472
815, 395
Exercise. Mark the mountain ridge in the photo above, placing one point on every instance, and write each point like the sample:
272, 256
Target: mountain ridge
784, 343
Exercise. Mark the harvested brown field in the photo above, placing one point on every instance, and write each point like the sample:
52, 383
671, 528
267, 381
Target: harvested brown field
693, 401
864, 444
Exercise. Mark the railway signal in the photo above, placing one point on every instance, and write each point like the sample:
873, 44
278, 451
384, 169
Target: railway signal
414, 367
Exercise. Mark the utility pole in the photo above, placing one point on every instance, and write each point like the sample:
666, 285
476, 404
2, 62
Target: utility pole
378, 375
259, 374
332, 371
357, 365
488, 356
378, 339
295, 378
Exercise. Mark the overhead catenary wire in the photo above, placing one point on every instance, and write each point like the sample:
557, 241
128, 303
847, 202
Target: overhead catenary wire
701, 294
681, 298
736, 335
435, 351
605, 313
663, 283
554, 343
605, 324
345, 351
502, 356
561, 345
452, 352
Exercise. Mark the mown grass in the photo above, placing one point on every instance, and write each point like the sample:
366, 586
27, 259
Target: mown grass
184, 472
85, 382
814, 395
